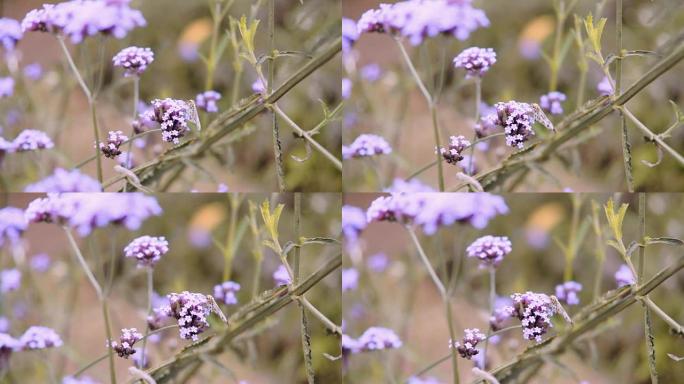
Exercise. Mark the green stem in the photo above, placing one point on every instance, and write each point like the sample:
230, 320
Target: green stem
277, 145
332, 327
478, 100
108, 331
648, 326
136, 97
626, 146
150, 293
652, 136
492, 300
672, 323
230, 239
426, 262
554, 64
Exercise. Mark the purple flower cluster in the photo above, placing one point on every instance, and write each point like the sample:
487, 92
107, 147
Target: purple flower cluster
420, 19
534, 311
10, 33
624, 276
433, 210
378, 262
148, 250
423, 380
79, 380
476, 61
124, 347
410, 186
10, 280
604, 87
372, 339
65, 181
191, 311
173, 116
78, 19
111, 148
466, 347
41, 262
225, 292
281, 276
366, 145
349, 34
13, 223
552, 102
353, 222
29, 140
134, 60
350, 279
454, 152
568, 292
6, 87
516, 119
33, 71
490, 250
206, 101
37, 337
86, 212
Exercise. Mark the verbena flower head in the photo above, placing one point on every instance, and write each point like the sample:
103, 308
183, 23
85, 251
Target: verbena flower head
378, 262
225, 292
423, 380
258, 86
568, 292
516, 119
191, 311
476, 61
111, 148
41, 262
350, 279
349, 34
148, 250
173, 116
78, 19
124, 347
350, 345
371, 72
410, 186
10, 33
378, 338
38, 337
534, 311
420, 19
552, 102
353, 222
366, 145
206, 101
33, 71
134, 60
65, 181
624, 276
454, 152
434, 210
490, 250
13, 223
6, 87
281, 276
10, 280
502, 313
604, 87
466, 347
32, 140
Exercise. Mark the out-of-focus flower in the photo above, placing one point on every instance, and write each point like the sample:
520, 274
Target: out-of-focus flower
366, 145
8, 344
13, 223
453, 153
10, 33
353, 222
552, 102
534, 311
10, 280
31, 140
79, 380
41, 262
476, 61
604, 87
349, 34
33, 71
378, 262
624, 276
258, 86
38, 337
134, 60
466, 347
206, 101
423, 380
126, 159
410, 186
6, 87
191, 311
281, 276
346, 88
420, 19
111, 148
78, 19
173, 117
350, 279
349, 345
148, 250
222, 188
378, 338
568, 292
124, 347
225, 292
371, 72
490, 250
65, 181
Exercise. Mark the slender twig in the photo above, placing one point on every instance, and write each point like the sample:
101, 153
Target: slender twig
136, 97
492, 300
648, 326
329, 324
150, 293
301, 300
426, 262
626, 146
672, 323
277, 145
652, 136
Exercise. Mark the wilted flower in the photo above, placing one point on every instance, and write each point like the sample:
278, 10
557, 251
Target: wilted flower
65, 181
10, 280
378, 338
552, 102
148, 250
366, 145
173, 116
453, 153
476, 61
281, 276
207, 101
568, 292
604, 87
534, 311
124, 348
624, 276
6, 87
353, 222
350, 279
466, 347
13, 223
111, 148
38, 337
225, 292
10, 33
490, 250
191, 311
134, 60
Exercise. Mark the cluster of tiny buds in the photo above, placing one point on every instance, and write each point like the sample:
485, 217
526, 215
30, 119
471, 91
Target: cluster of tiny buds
490, 250
111, 148
466, 347
124, 348
147, 250
476, 61
454, 152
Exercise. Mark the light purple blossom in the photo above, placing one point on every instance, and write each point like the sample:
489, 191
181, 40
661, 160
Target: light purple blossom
6, 87
124, 347
371, 72
420, 19
604, 87
134, 60
10, 280
516, 119
191, 311
378, 262
378, 338
346, 88
490, 250
37, 337
453, 153
366, 145
222, 188
349, 34
503, 310
568, 292
147, 250
624, 276
206, 101
281, 276
41, 262
552, 102
111, 148
476, 61
258, 86
353, 222
126, 159
8, 344
33, 71
79, 380
423, 380
534, 310
410, 186
225, 292
65, 181
466, 347
173, 117
32, 140
12, 224
349, 345
10, 33
350, 279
